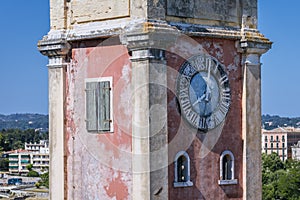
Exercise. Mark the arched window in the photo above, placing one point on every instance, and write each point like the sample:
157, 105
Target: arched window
227, 168
182, 170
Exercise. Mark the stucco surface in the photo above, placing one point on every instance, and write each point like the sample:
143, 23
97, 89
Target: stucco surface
98, 164
205, 149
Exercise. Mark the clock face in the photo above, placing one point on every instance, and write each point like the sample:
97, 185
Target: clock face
203, 92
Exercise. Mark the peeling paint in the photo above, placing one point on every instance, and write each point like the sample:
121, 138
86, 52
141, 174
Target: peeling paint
92, 158
117, 189
205, 148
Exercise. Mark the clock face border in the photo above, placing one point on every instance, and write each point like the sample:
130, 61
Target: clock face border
211, 70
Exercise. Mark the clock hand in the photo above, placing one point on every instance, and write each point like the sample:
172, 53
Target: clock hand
199, 99
208, 92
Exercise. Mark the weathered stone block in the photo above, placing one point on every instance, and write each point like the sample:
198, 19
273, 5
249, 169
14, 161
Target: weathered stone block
220, 10
93, 10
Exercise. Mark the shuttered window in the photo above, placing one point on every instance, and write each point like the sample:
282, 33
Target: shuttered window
98, 100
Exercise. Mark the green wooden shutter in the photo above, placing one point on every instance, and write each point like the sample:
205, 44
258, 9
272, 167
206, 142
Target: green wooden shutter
104, 106
91, 106
98, 106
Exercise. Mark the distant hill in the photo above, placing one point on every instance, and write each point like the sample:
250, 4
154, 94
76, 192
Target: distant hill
39, 121
24, 121
271, 122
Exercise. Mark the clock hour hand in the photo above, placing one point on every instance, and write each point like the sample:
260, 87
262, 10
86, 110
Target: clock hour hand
199, 99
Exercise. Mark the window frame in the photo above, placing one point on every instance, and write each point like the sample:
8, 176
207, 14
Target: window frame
231, 181
176, 182
98, 80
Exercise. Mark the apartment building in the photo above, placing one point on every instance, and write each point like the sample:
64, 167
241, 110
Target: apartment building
280, 141
42, 146
18, 160
36, 154
296, 151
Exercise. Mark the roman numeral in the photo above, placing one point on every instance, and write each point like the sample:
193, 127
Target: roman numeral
223, 79
225, 94
194, 118
202, 123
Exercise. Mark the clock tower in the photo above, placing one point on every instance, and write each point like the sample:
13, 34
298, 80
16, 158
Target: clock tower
154, 99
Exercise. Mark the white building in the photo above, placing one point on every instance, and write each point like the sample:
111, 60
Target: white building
36, 154
275, 141
296, 151
18, 160
42, 147
281, 140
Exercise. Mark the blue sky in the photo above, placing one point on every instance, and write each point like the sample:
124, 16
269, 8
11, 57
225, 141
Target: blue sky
24, 78
279, 21
23, 82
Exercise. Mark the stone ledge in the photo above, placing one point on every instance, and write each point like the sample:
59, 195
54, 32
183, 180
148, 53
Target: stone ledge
183, 184
54, 44
228, 182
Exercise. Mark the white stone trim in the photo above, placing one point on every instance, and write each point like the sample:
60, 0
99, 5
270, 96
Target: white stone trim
183, 184
176, 182
232, 180
228, 182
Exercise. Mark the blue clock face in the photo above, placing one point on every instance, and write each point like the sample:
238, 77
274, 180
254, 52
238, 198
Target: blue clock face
203, 92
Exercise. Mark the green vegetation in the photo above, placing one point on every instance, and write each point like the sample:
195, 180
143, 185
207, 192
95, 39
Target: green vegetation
13, 139
270, 122
45, 179
4, 162
31, 172
24, 121
281, 180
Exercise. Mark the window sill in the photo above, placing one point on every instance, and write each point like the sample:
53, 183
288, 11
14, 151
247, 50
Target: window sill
183, 184
228, 182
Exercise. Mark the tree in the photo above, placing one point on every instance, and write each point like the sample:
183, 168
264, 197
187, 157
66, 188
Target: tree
33, 173
289, 182
280, 180
12, 139
45, 179
272, 162
29, 167
4, 164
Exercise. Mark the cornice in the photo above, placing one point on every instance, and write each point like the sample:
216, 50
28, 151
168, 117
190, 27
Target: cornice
54, 44
142, 34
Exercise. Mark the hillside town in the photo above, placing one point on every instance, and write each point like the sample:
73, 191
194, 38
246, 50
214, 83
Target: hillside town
24, 164
284, 141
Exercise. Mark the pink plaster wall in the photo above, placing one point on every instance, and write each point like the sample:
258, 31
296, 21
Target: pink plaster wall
205, 149
98, 165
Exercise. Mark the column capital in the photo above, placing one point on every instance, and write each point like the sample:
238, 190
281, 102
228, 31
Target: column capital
253, 42
56, 47
147, 54
149, 34
54, 44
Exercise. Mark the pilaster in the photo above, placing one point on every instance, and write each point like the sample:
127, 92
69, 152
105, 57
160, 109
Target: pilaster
140, 126
149, 132
149, 119
56, 50
251, 119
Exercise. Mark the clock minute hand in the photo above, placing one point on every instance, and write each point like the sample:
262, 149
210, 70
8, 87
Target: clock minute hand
208, 92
